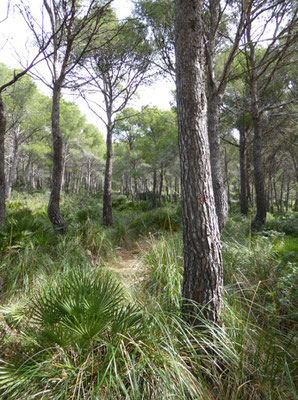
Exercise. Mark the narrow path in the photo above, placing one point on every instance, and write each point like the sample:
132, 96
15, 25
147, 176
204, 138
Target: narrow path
129, 265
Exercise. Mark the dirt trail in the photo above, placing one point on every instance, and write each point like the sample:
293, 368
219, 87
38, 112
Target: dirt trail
129, 265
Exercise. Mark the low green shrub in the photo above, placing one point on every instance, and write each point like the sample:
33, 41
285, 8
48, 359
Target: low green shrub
160, 219
287, 223
24, 227
81, 338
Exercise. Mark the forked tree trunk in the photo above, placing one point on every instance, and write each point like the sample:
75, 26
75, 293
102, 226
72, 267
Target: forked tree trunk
2, 170
54, 213
203, 275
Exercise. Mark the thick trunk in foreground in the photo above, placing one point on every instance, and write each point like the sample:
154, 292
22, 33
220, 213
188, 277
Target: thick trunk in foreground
2, 172
54, 213
203, 275
107, 194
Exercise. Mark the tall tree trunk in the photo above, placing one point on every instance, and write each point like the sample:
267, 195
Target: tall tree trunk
243, 173
260, 217
220, 195
203, 275
2, 163
107, 193
12, 170
54, 213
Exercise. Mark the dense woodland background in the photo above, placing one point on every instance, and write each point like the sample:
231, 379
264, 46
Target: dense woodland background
92, 308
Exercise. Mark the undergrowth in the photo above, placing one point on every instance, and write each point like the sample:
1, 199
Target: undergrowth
68, 330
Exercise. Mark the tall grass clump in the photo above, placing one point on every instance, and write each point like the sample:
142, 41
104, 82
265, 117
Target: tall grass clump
254, 348
164, 263
164, 219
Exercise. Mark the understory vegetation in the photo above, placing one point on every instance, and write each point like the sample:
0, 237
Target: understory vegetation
70, 328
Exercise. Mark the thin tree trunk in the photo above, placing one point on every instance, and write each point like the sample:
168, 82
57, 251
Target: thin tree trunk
203, 275
107, 194
260, 217
137, 197
54, 213
64, 158
275, 196
243, 173
160, 186
131, 191
281, 196
220, 195
288, 194
12, 170
154, 188
176, 189
271, 200
227, 180
2, 163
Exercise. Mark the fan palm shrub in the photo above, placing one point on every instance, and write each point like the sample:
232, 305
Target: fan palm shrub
80, 337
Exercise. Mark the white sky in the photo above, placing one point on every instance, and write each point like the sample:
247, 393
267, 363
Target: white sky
14, 38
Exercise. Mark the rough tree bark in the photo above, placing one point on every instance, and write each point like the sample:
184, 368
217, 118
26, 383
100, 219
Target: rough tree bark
260, 217
219, 189
203, 275
54, 213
